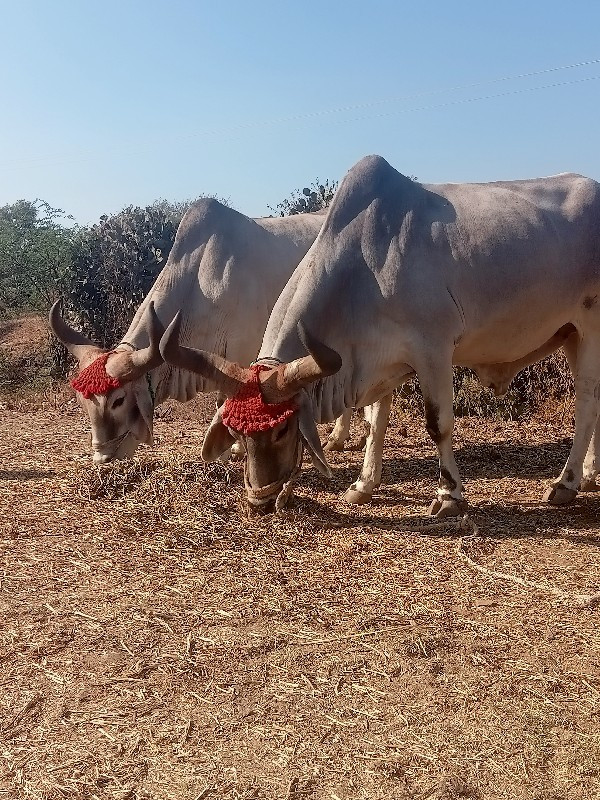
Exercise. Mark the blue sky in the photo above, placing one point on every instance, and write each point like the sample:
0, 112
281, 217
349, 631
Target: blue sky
117, 103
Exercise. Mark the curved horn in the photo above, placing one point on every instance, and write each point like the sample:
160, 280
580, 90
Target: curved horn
150, 357
328, 360
76, 343
286, 381
225, 375
129, 366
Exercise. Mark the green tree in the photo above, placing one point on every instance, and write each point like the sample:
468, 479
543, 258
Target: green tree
312, 198
114, 265
35, 252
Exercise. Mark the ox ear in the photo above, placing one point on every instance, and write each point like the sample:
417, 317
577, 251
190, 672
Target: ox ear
310, 434
144, 403
217, 439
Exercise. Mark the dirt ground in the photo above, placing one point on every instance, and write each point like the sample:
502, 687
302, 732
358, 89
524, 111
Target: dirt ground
158, 641
23, 336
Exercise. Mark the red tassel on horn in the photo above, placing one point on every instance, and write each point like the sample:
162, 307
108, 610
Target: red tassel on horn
94, 379
247, 412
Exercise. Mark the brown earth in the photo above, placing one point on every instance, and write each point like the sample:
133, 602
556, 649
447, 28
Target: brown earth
24, 358
157, 641
23, 336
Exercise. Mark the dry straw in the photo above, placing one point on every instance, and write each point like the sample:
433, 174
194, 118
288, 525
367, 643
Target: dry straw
160, 641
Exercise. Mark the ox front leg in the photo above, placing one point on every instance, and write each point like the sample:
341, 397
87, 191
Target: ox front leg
365, 424
341, 431
591, 465
436, 385
369, 479
587, 406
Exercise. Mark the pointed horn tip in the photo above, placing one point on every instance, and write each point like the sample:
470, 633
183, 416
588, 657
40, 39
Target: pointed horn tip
152, 311
55, 310
328, 359
335, 365
156, 326
169, 342
75, 342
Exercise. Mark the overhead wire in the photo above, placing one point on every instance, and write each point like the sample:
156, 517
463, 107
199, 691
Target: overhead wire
311, 115
475, 99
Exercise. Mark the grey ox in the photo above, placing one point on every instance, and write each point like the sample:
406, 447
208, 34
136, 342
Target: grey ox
225, 271
408, 279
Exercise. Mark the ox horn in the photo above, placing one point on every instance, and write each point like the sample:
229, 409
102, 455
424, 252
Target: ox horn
129, 366
76, 343
227, 376
150, 357
284, 382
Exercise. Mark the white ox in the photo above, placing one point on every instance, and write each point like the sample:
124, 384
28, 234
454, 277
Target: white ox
225, 271
489, 276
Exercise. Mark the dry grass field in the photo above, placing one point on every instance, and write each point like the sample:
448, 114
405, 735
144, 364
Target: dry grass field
158, 641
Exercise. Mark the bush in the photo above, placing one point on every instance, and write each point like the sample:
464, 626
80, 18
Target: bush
314, 198
35, 252
114, 266
530, 389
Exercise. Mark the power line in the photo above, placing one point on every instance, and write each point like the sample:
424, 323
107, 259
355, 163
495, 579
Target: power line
307, 116
473, 99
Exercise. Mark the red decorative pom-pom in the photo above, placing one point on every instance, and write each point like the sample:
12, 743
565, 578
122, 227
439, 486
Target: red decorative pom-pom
247, 412
95, 379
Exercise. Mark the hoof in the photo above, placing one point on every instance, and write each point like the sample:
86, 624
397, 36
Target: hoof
559, 495
448, 507
356, 498
332, 444
589, 485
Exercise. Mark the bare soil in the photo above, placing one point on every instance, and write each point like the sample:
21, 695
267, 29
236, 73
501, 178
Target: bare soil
25, 362
159, 641
24, 336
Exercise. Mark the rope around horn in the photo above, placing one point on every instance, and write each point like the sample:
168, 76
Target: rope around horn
94, 379
247, 412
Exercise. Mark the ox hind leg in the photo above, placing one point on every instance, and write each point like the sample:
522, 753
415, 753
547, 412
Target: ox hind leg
378, 416
590, 481
591, 464
583, 463
435, 379
340, 433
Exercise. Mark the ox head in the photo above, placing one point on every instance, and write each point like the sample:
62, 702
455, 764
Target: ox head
267, 410
113, 387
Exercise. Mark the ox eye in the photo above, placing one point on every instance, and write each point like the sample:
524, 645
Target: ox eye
118, 402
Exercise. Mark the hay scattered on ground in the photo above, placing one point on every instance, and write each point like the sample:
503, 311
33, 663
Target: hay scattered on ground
161, 641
